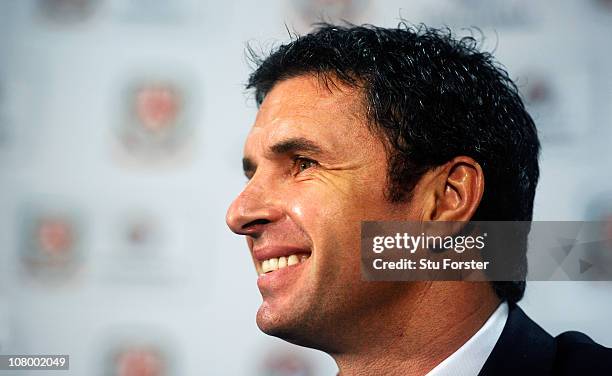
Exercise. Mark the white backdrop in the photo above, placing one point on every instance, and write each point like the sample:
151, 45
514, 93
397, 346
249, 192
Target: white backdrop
146, 261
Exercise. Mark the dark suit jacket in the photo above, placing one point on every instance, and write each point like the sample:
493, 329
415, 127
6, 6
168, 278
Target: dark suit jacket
524, 348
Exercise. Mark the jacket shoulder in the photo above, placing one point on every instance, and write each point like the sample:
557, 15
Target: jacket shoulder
577, 354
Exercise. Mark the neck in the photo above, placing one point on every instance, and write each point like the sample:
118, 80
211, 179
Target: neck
413, 335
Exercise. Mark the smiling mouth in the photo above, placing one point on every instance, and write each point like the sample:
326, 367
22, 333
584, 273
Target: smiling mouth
276, 263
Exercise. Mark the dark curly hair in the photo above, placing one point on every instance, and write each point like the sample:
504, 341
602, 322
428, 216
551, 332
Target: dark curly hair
431, 97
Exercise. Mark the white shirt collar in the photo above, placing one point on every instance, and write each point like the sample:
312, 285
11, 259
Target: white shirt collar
469, 359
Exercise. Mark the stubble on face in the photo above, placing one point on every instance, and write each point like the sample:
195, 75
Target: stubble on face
321, 208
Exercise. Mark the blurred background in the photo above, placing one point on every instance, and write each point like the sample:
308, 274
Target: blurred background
121, 132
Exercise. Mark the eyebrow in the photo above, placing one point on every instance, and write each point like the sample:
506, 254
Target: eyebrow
248, 167
288, 146
296, 144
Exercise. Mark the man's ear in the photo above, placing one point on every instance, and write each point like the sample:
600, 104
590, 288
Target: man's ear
455, 190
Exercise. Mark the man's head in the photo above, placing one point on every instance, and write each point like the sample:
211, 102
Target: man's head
367, 123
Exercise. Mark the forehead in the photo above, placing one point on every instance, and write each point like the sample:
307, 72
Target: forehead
304, 107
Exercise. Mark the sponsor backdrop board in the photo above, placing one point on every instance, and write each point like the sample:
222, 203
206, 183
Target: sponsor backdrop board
121, 129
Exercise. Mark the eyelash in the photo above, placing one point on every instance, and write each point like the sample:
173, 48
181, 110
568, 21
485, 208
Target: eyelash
297, 161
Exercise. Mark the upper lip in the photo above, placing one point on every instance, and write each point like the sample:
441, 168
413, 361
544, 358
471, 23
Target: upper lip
268, 252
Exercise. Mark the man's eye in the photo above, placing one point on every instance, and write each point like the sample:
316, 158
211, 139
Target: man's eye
302, 164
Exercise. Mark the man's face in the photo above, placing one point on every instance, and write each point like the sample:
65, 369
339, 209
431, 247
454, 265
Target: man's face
315, 172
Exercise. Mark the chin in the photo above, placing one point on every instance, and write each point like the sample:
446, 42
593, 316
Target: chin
274, 323
293, 328
287, 327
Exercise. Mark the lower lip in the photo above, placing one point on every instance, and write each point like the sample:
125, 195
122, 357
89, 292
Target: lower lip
280, 277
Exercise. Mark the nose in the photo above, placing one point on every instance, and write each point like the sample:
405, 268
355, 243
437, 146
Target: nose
252, 210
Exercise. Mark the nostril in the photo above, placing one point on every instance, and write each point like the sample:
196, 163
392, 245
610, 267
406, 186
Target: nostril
254, 228
254, 223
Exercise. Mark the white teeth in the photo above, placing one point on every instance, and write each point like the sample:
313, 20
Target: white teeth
292, 260
274, 263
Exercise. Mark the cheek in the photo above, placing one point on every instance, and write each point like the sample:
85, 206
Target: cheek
331, 221
316, 208
331, 212
322, 209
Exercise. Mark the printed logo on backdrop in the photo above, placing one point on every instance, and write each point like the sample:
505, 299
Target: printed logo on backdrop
311, 11
137, 350
67, 11
541, 100
157, 121
482, 13
140, 253
138, 359
153, 12
285, 363
558, 101
51, 242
